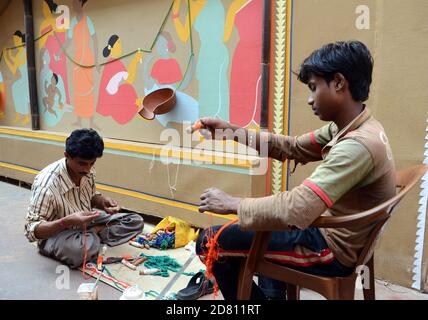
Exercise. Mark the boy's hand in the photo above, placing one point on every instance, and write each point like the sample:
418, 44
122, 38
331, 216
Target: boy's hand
207, 127
217, 201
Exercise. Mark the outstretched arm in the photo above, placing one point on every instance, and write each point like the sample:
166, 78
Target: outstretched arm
10, 61
235, 6
132, 68
183, 29
47, 229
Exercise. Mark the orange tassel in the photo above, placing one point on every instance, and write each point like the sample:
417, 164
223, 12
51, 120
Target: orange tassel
213, 252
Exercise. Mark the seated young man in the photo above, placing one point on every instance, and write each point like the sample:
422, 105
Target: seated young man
63, 196
356, 173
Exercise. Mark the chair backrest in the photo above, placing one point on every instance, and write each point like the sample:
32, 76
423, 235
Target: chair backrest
405, 181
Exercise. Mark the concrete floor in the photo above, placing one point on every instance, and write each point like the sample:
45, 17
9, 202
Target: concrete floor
25, 274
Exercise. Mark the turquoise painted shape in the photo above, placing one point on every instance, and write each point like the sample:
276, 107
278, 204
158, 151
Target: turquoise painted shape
212, 62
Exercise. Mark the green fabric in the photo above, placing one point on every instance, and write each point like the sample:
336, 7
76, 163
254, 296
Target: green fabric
324, 134
345, 166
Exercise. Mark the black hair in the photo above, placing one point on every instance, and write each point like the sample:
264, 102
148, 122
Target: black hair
20, 34
56, 77
85, 144
111, 42
350, 58
52, 5
82, 2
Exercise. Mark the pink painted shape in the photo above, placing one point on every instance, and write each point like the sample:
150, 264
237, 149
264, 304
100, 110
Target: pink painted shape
166, 71
244, 91
120, 106
58, 67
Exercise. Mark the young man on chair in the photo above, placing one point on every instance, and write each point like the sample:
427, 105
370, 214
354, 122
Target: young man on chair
356, 173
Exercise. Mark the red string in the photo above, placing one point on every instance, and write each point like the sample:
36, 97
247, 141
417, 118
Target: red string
212, 255
85, 255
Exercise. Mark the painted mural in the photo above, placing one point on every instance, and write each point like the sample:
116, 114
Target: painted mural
53, 88
162, 70
81, 35
207, 51
245, 82
117, 96
212, 59
16, 61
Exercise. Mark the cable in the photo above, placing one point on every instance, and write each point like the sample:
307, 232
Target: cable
124, 55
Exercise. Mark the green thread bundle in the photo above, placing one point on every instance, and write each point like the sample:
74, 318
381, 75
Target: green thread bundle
163, 263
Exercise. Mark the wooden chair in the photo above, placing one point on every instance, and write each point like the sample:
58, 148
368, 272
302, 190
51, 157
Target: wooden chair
336, 288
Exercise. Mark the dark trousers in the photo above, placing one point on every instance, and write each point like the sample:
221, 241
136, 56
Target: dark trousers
234, 246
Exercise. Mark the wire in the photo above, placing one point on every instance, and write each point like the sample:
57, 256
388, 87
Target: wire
124, 55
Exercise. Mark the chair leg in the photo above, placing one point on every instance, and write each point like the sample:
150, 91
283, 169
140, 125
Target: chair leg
293, 292
245, 282
369, 289
346, 290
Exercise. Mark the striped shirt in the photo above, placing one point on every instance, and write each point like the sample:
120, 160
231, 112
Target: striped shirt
54, 195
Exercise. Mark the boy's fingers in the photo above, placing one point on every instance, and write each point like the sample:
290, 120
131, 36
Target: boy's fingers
203, 209
206, 133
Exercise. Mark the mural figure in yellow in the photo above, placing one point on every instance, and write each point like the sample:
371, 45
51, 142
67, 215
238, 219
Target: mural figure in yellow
81, 33
17, 64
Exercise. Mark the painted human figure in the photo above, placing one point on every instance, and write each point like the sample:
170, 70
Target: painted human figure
53, 42
166, 72
117, 97
52, 91
50, 119
17, 64
82, 33
245, 76
208, 18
